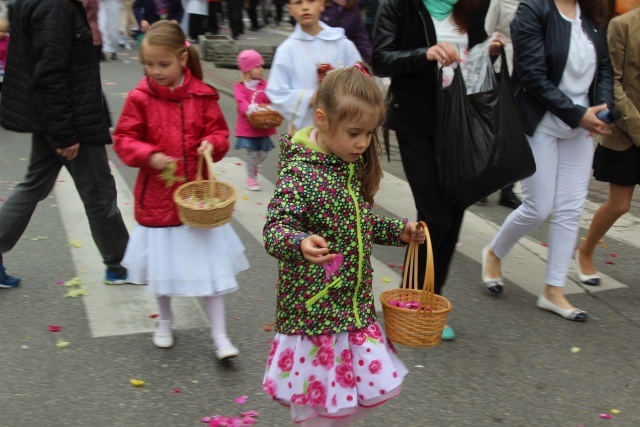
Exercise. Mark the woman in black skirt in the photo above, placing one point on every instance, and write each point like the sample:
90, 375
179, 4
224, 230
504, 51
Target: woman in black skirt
617, 157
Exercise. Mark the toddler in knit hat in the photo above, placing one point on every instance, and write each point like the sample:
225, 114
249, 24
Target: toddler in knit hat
250, 89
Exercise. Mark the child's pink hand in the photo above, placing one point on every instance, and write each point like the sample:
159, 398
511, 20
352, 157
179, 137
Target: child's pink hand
411, 231
159, 160
205, 146
315, 250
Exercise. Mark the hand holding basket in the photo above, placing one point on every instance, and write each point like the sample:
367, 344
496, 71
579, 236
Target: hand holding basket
415, 317
205, 203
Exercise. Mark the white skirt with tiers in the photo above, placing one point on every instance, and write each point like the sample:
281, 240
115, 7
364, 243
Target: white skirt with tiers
184, 261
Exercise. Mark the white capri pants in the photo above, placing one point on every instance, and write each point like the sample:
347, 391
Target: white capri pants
559, 185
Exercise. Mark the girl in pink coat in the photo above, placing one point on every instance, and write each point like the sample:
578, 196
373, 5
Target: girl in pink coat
256, 141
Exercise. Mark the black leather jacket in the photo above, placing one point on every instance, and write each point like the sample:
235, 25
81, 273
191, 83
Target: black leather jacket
52, 78
402, 35
541, 40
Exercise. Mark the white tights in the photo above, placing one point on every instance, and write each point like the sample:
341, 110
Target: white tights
215, 309
254, 159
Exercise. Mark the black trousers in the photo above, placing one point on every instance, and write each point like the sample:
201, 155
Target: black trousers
234, 15
212, 21
253, 13
95, 185
196, 25
443, 218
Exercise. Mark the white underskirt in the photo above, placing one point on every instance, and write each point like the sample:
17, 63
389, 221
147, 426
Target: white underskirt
184, 261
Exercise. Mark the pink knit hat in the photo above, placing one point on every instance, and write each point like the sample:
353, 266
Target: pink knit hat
248, 60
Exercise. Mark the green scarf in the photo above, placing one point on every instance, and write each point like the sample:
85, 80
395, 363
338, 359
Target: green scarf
439, 9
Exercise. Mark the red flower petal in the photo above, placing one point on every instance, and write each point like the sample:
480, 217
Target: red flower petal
54, 328
153, 316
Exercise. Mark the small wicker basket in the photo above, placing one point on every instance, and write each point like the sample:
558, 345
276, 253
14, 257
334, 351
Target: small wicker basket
263, 116
205, 203
421, 327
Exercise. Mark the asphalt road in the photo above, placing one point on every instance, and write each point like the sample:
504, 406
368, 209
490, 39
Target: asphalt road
511, 364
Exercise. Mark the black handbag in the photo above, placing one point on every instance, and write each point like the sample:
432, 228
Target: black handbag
479, 143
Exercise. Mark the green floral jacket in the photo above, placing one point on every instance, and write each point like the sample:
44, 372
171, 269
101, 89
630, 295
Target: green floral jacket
320, 194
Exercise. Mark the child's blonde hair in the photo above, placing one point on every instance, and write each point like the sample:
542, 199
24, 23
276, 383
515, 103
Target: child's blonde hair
4, 22
169, 35
350, 94
245, 77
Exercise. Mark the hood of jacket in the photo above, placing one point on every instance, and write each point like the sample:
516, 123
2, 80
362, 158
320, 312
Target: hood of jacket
328, 33
300, 148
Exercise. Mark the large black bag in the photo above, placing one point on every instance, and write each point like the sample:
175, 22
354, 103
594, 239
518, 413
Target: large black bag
480, 144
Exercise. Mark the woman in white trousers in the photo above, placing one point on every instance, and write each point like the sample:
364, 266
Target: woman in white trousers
109, 21
562, 86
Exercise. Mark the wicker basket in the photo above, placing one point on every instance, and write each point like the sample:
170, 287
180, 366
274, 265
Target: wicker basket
192, 199
421, 327
263, 116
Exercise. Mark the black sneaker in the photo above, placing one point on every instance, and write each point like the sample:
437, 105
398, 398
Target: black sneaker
7, 281
509, 200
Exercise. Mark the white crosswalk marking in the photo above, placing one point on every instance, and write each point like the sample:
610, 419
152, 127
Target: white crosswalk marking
119, 310
114, 310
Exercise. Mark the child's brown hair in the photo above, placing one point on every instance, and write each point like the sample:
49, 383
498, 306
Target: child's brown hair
169, 35
351, 93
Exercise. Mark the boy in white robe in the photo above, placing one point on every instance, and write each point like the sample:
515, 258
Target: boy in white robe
294, 74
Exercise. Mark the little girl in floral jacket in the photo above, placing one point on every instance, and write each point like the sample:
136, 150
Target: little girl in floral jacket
330, 360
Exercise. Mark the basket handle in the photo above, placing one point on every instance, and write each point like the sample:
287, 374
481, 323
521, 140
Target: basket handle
255, 95
410, 275
206, 156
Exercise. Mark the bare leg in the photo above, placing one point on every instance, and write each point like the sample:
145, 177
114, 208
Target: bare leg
493, 268
617, 204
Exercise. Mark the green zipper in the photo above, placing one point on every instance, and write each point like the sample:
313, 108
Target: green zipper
337, 283
360, 250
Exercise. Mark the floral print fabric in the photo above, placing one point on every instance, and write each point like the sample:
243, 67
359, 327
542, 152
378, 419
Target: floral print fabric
330, 375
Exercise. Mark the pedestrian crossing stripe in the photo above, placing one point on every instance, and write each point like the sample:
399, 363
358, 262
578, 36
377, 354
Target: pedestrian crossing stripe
123, 310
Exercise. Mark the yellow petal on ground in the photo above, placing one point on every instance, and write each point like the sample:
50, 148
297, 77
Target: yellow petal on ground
77, 292
54, 206
76, 281
575, 350
62, 344
136, 383
603, 246
75, 243
386, 280
615, 411
245, 197
583, 238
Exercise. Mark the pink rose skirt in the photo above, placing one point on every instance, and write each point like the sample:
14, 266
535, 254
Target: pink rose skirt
331, 375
